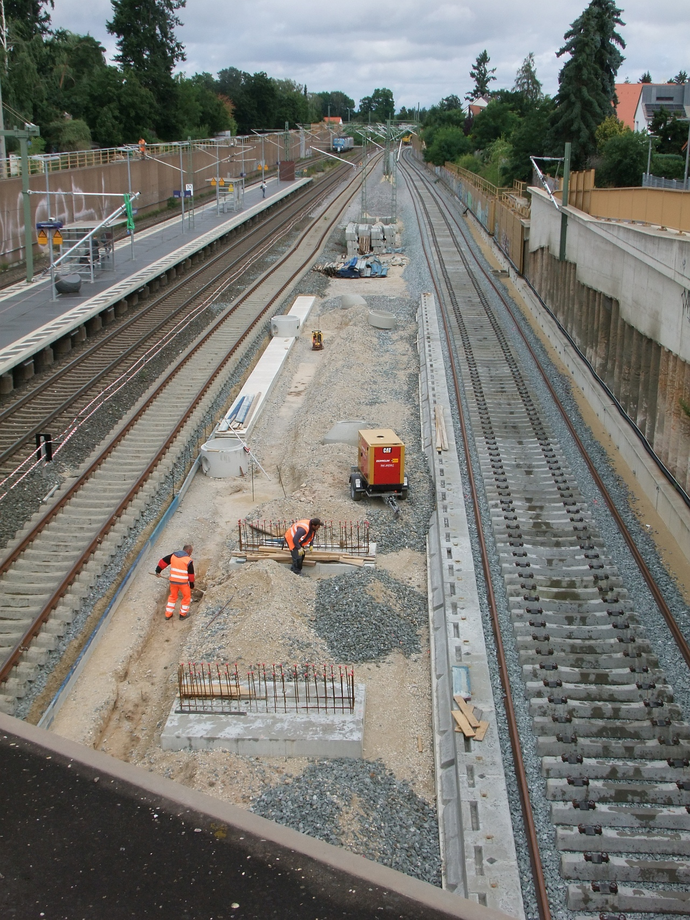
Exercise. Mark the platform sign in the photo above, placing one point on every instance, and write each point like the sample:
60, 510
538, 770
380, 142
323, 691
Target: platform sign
177, 193
188, 190
50, 225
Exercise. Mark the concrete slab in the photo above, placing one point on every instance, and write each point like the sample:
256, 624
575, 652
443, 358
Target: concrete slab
281, 734
477, 841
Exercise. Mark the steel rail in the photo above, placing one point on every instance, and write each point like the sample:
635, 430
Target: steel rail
32, 631
317, 193
511, 718
681, 641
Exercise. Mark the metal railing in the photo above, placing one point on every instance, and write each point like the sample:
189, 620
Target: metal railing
333, 536
651, 181
216, 687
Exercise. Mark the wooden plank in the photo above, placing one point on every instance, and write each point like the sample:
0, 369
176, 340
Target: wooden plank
467, 711
462, 724
481, 731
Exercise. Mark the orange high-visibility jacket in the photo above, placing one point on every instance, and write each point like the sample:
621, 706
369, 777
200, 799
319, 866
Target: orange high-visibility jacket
299, 534
181, 567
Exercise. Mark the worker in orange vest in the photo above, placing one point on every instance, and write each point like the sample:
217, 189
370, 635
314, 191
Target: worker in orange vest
142, 148
181, 579
298, 538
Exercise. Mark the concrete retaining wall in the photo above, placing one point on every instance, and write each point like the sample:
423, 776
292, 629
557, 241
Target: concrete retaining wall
156, 179
623, 294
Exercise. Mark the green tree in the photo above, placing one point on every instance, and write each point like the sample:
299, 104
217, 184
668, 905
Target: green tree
447, 144
646, 77
31, 15
72, 134
380, 105
586, 83
529, 138
496, 120
624, 160
338, 102
526, 81
671, 133
450, 103
481, 75
681, 77
146, 40
610, 127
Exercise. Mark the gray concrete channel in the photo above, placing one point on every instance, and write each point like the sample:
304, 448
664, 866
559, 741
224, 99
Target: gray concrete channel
600, 718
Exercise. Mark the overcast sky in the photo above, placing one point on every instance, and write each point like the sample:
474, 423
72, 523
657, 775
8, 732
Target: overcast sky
421, 49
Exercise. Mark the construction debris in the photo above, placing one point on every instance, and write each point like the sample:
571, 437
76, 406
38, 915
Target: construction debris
370, 267
466, 721
283, 555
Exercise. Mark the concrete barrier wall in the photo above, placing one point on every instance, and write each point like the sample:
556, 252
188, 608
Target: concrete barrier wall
623, 294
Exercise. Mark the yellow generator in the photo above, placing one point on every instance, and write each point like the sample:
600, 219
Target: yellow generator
381, 466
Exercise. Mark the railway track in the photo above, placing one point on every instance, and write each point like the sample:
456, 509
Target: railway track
600, 716
60, 398
58, 558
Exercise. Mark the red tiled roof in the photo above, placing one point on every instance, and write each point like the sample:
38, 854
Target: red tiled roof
628, 98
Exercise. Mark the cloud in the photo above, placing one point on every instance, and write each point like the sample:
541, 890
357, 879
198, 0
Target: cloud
422, 51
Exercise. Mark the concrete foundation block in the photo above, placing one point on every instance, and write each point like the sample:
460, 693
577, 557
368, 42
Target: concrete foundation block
24, 372
44, 358
95, 324
6, 384
63, 346
121, 307
281, 734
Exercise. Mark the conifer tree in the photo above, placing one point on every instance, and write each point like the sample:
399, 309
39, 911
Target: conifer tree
481, 75
586, 91
526, 81
146, 39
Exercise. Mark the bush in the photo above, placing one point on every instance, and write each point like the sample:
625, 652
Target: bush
73, 134
668, 165
471, 163
448, 143
624, 160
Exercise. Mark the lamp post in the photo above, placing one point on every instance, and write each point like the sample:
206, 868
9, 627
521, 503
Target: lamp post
687, 158
651, 137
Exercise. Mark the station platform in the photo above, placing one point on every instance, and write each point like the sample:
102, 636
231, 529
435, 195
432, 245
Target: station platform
32, 322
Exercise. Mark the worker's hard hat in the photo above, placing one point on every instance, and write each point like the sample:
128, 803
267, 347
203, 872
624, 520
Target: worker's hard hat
315, 522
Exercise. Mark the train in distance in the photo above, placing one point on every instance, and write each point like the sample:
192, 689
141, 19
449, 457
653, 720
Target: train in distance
340, 144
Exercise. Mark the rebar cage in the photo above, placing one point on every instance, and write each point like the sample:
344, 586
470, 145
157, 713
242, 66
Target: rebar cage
217, 687
350, 537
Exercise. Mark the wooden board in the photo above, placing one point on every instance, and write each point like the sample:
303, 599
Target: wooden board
462, 724
481, 731
467, 711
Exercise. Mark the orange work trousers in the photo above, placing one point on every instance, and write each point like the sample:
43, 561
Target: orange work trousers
176, 590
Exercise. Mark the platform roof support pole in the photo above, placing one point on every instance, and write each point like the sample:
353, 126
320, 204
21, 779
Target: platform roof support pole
28, 234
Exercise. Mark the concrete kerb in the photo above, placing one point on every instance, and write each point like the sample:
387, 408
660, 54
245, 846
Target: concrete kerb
471, 788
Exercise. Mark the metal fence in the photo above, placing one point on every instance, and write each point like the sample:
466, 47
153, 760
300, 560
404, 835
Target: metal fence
650, 181
333, 536
207, 687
